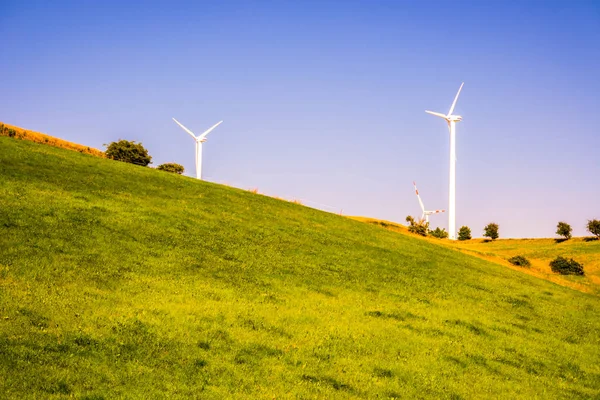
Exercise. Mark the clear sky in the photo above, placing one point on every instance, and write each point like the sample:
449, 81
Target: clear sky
324, 100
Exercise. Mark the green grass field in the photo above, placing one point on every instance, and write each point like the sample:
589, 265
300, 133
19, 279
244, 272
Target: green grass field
119, 281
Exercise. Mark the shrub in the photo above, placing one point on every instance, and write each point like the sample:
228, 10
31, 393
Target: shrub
563, 229
566, 267
130, 152
491, 231
464, 233
519, 261
439, 233
171, 167
419, 227
593, 227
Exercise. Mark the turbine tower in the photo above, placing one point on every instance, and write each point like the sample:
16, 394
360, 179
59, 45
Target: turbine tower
452, 120
199, 140
425, 214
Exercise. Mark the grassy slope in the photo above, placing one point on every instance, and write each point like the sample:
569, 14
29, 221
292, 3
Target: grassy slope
117, 280
24, 134
539, 251
392, 226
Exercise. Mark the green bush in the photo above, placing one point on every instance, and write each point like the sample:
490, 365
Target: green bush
519, 261
566, 267
464, 233
419, 227
130, 152
439, 233
593, 227
171, 167
491, 231
563, 229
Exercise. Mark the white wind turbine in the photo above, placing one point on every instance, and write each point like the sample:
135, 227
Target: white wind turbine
425, 214
452, 120
199, 140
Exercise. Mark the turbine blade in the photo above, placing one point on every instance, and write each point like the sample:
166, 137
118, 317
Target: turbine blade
184, 128
419, 197
455, 99
436, 114
210, 130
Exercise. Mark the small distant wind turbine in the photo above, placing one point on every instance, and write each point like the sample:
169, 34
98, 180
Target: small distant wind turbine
199, 140
425, 214
452, 120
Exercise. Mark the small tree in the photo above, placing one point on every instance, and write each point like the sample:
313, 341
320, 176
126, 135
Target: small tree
419, 227
171, 167
130, 152
563, 229
464, 233
438, 233
593, 227
491, 231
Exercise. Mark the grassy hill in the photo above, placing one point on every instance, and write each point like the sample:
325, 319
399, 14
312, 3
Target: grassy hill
118, 281
539, 252
37, 137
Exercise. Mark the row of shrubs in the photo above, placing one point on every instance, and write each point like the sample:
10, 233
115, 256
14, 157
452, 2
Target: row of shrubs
491, 230
559, 265
134, 153
420, 227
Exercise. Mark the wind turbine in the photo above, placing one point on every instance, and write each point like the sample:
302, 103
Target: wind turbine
425, 214
199, 140
452, 120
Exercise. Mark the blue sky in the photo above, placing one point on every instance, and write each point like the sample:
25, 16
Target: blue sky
324, 100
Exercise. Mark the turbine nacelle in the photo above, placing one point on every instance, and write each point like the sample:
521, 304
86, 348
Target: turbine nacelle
449, 117
426, 214
199, 140
434, 212
202, 137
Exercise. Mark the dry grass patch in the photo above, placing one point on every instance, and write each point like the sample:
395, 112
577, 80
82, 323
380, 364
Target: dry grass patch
37, 137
